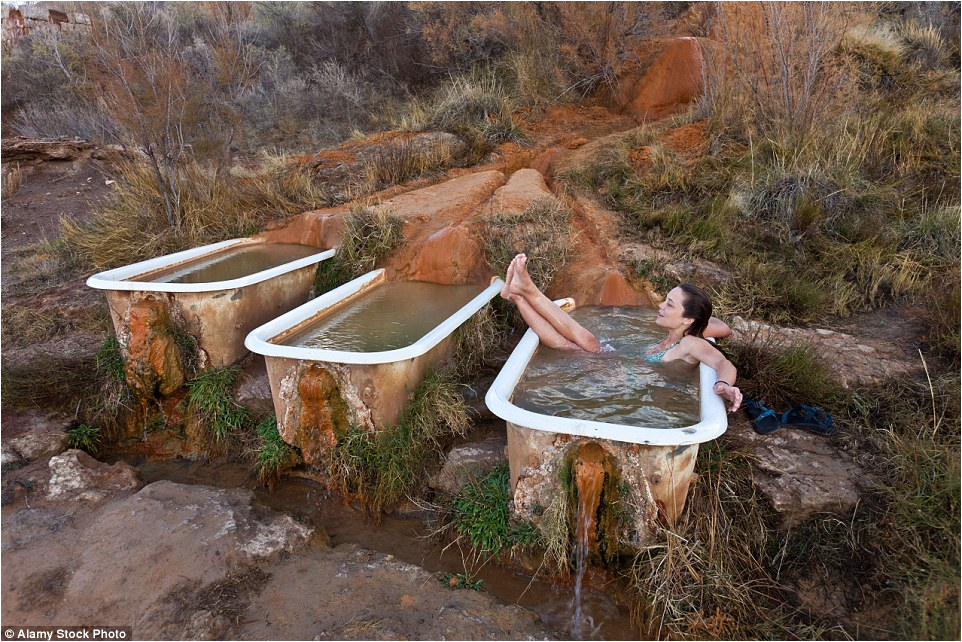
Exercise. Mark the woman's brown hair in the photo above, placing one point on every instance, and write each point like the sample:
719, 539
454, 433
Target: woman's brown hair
697, 306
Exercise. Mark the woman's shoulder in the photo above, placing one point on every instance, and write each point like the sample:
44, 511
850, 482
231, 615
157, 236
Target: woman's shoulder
693, 344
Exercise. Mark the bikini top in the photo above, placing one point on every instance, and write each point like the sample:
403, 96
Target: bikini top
656, 357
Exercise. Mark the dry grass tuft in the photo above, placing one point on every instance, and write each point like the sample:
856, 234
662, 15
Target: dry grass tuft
924, 44
132, 224
12, 180
543, 231
405, 160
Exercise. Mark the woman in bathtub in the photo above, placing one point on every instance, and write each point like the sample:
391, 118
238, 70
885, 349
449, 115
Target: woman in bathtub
685, 313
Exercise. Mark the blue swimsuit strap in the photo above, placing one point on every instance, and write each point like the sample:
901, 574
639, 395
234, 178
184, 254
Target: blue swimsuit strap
658, 355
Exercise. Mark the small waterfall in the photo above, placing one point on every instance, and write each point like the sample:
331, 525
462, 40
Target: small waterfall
589, 477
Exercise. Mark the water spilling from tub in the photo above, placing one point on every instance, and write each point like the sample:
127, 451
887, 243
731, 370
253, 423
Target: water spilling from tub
389, 317
616, 385
231, 263
589, 477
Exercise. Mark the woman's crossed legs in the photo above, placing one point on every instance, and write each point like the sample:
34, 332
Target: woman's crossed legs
554, 327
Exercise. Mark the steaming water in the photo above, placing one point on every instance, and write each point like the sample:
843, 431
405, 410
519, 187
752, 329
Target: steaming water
232, 263
615, 385
391, 316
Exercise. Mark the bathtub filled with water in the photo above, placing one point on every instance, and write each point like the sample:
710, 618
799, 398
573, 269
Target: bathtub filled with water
216, 293
354, 356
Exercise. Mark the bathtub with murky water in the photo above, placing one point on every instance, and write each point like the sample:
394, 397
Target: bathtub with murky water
647, 459
353, 357
204, 300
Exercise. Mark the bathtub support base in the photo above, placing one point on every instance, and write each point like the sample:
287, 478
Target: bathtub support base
654, 479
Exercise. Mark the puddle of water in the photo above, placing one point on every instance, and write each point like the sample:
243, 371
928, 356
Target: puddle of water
232, 263
615, 385
601, 617
390, 316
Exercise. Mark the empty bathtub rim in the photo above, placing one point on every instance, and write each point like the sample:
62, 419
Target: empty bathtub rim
714, 419
259, 339
116, 278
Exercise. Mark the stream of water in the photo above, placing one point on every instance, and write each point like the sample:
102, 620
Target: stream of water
408, 540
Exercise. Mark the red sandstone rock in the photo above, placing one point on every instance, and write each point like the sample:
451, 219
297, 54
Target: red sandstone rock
525, 187
673, 80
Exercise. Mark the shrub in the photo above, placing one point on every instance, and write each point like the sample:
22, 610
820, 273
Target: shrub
476, 108
131, 225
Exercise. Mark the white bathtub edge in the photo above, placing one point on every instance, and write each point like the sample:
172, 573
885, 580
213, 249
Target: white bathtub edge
113, 279
714, 420
258, 340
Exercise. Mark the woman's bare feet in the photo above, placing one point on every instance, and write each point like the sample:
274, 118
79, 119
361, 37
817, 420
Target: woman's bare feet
508, 278
521, 283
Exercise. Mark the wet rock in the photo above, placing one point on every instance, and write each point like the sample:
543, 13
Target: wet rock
801, 473
468, 462
853, 360
153, 361
33, 435
75, 475
372, 596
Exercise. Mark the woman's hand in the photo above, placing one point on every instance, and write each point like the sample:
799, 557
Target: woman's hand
730, 393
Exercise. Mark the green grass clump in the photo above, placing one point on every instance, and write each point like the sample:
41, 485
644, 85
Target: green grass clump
273, 454
210, 395
480, 513
380, 470
84, 437
460, 581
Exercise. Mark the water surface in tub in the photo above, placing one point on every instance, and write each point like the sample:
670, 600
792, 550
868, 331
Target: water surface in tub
616, 385
389, 317
232, 263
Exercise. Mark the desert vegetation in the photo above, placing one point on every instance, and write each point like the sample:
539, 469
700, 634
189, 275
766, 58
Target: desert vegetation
823, 183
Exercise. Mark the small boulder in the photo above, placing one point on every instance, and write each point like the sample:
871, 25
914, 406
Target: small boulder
34, 435
75, 475
801, 474
468, 462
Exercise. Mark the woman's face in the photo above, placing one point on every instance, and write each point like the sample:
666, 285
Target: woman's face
671, 311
